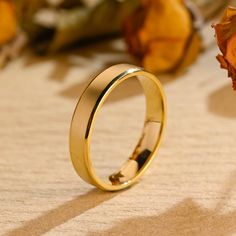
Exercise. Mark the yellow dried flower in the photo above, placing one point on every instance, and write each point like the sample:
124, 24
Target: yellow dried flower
161, 35
8, 25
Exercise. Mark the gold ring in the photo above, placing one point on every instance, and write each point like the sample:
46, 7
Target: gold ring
84, 116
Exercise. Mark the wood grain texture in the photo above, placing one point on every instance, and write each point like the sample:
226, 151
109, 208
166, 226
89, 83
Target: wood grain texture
190, 188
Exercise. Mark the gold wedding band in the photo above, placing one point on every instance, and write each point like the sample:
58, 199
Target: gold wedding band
84, 116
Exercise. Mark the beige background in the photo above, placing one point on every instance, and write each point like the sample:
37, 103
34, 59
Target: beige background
190, 188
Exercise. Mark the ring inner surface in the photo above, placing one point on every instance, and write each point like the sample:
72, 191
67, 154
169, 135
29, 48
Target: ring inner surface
150, 134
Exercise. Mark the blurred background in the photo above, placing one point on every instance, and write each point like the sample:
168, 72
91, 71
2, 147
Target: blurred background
160, 36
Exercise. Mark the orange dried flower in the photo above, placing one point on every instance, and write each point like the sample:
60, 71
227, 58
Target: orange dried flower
8, 25
162, 36
226, 39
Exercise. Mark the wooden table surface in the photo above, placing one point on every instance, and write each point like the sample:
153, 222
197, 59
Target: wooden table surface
190, 189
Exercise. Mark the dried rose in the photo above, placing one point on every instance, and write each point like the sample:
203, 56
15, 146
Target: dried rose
162, 35
8, 25
226, 39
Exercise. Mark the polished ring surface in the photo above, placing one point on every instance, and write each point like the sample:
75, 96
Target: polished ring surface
84, 116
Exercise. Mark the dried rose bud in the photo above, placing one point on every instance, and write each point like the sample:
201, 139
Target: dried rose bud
162, 35
8, 25
226, 39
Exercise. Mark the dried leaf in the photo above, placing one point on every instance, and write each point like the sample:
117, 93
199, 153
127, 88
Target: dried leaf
226, 38
26, 10
210, 8
57, 28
